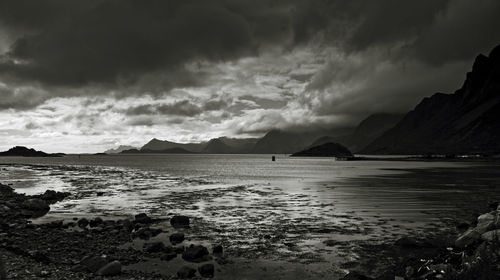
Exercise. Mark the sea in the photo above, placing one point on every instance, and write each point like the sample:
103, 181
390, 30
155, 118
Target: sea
294, 205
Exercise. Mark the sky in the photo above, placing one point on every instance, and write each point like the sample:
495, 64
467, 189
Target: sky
85, 76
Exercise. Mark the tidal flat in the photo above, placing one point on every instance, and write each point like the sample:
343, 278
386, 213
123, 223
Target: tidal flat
288, 223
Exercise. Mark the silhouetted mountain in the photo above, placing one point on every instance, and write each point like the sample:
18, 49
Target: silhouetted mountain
120, 149
465, 122
325, 150
371, 128
284, 142
175, 150
162, 145
20, 151
240, 145
327, 139
216, 146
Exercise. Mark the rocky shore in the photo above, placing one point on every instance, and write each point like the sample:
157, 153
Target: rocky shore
473, 254
96, 248
90, 248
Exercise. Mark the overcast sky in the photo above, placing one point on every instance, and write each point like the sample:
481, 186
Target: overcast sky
84, 76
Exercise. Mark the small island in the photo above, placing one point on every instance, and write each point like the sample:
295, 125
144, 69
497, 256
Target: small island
20, 151
325, 150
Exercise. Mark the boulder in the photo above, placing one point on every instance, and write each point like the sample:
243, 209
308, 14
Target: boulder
53, 196
207, 270
468, 237
186, 272
143, 219
179, 221
486, 222
217, 249
111, 269
195, 253
93, 264
176, 238
154, 247
492, 235
36, 204
95, 222
353, 275
83, 222
168, 256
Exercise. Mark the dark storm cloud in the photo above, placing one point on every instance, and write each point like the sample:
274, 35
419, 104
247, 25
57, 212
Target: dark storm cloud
178, 108
114, 44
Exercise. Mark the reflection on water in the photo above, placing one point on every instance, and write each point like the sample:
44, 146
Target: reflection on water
302, 210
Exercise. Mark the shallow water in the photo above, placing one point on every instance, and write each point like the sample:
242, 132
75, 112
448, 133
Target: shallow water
281, 211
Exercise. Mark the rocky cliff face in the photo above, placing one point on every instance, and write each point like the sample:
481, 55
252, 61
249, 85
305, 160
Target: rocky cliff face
466, 122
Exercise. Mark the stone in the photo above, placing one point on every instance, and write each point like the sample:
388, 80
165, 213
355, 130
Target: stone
53, 196
467, 238
486, 222
492, 235
36, 204
176, 238
353, 275
143, 233
111, 269
42, 273
154, 247
143, 218
79, 268
95, 222
93, 264
217, 249
168, 256
83, 222
186, 272
195, 253
207, 270
179, 221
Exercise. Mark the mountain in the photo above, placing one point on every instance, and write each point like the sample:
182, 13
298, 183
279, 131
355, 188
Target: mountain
325, 150
371, 128
175, 150
118, 150
286, 142
162, 145
240, 145
465, 122
217, 146
20, 151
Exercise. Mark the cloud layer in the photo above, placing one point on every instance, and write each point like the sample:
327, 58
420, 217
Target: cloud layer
98, 71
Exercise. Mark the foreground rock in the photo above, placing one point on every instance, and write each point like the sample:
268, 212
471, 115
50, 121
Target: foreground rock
179, 221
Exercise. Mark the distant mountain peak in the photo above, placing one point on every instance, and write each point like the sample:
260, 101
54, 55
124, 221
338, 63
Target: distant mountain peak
465, 122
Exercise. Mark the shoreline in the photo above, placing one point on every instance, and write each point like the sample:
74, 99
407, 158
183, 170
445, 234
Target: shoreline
368, 257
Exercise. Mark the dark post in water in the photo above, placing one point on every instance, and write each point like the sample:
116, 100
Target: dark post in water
273, 158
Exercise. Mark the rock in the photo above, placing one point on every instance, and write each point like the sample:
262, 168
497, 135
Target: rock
217, 249
186, 272
154, 247
168, 256
463, 226
111, 269
353, 275
207, 270
42, 273
176, 238
492, 235
83, 222
95, 222
79, 268
468, 237
143, 218
36, 204
486, 222
93, 264
178, 249
40, 257
179, 221
53, 196
155, 231
195, 253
